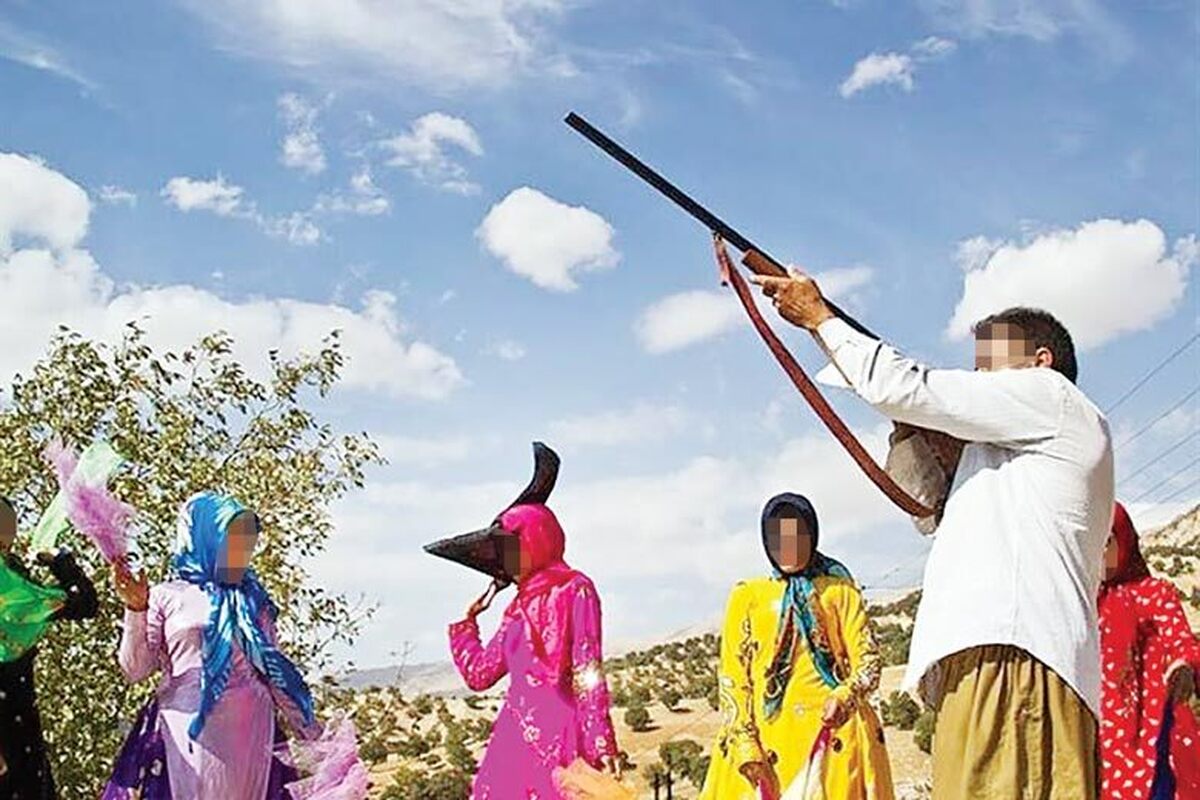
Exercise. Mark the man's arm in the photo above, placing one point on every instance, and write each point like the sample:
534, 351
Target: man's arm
1009, 405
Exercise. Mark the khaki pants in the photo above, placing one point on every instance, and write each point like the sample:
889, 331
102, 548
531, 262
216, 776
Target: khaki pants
1008, 727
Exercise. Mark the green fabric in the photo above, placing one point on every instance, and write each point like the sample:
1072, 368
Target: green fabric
25, 612
96, 465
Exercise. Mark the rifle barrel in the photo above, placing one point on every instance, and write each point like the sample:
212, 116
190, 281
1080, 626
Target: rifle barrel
681, 199
670, 190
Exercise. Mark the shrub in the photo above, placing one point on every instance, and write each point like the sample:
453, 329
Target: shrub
637, 718
923, 732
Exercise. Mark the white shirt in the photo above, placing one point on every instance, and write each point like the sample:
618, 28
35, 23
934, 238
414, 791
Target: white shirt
1019, 554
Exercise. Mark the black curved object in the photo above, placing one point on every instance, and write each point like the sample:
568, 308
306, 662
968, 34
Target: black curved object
479, 550
545, 474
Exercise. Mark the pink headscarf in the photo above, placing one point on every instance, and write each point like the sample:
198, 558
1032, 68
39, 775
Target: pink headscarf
547, 621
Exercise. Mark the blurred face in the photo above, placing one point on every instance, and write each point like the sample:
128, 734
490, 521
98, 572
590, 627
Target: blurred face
1111, 557
8, 526
515, 561
1003, 346
239, 548
790, 543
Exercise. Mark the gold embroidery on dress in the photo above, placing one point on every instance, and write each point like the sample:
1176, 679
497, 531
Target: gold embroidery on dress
740, 725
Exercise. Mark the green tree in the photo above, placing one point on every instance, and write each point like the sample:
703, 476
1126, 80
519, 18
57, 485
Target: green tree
923, 732
412, 784
186, 421
669, 697
901, 711
637, 718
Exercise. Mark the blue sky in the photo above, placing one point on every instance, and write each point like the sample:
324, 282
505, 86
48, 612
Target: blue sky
402, 172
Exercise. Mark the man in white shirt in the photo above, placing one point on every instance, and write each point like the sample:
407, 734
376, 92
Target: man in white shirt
1005, 646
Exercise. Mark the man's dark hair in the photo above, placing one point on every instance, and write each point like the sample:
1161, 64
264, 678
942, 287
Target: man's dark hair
1041, 329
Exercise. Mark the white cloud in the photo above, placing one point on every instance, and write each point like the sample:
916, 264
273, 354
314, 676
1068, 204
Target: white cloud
547, 241
115, 195
218, 196
228, 200
692, 526
686, 318
301, 147
879, 69
932, 47
365, 198
422, 151
1042, 21
642, 422
506, 349
433, 45
40, 204
899, 69
23, 48
425, 452
50, 280
1102, 279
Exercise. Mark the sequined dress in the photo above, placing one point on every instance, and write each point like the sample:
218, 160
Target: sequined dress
546, 721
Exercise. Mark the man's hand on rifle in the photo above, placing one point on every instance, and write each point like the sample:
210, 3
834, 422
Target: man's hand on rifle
796, 298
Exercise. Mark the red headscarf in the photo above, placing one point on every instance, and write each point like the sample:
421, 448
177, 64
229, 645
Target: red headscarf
1130, 564
547, 621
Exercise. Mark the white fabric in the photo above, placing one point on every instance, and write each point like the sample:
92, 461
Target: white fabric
1019, 554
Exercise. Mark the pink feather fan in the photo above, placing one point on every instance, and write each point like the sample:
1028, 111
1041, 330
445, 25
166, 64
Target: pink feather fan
334, 770
91, 508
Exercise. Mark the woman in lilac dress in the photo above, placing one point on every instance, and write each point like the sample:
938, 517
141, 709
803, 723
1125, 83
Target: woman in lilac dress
211, 632
548, 643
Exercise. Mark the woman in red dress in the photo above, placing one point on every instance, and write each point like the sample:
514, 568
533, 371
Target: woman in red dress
1149, 737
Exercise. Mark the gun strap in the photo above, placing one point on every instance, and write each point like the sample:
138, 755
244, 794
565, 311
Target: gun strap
809, 391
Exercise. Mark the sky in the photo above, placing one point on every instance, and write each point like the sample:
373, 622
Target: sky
399, 170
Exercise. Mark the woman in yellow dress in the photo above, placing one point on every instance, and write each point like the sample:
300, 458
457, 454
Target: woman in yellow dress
797, 655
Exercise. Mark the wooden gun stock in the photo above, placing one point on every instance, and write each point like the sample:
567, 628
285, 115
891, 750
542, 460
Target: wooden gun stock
759, 264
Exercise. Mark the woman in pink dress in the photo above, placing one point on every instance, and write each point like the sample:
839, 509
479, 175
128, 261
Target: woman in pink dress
548, 643
211, 632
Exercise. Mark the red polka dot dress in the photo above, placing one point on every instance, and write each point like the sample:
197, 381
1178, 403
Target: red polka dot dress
1144, 636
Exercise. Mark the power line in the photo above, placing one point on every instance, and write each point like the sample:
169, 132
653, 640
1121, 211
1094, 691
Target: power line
1167, 479
1160, 456
1180, 491
1152, 373
1157, 419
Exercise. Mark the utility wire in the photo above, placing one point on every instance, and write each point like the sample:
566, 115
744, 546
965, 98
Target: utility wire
1167, 479
1157, 419
1180, 491
1160, 456
1152, 373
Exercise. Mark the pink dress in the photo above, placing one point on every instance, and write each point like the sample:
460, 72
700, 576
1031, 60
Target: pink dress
232, 757
545, 722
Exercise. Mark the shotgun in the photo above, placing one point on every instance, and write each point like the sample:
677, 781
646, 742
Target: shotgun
920, 464
754, 257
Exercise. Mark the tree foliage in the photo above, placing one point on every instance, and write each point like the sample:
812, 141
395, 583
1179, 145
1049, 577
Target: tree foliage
186, 421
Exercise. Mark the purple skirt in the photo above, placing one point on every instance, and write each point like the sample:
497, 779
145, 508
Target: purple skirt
141, 769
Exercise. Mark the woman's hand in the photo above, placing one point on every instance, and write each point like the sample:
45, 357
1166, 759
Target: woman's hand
3, 765
483, 602
835, 713
133, 591
612, 764
762, 776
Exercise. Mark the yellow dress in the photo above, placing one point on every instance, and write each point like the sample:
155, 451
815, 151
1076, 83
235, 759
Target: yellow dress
856, 765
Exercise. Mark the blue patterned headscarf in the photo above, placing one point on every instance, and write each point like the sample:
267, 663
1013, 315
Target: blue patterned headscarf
798, 610
237, 609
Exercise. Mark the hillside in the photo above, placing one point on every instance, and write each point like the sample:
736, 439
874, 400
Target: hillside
424, 746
